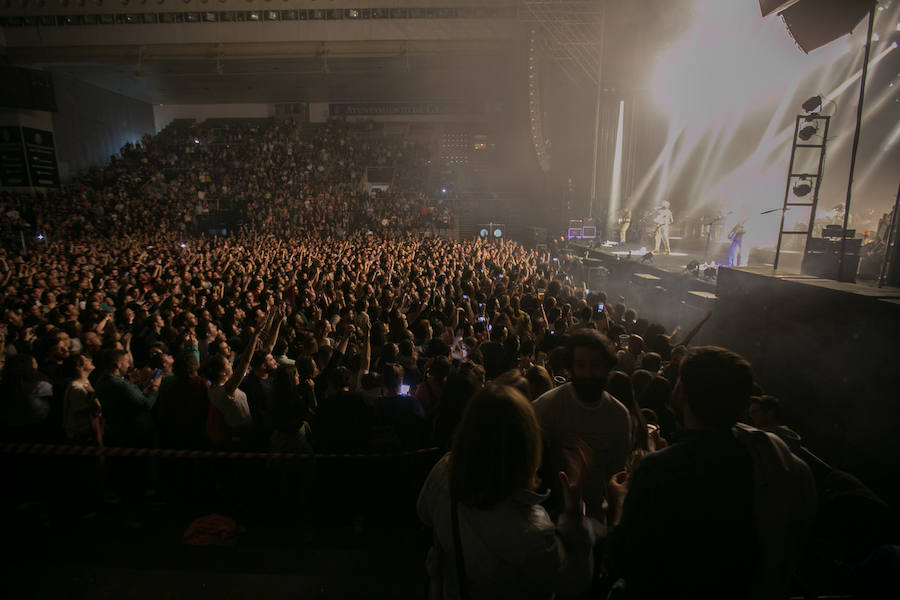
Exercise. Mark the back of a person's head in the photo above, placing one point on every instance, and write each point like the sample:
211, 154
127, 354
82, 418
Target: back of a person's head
390, 353
405, 348
716, 384
392, 377
765, 411
650, 416
472, 371
651, 362
640, 326
497, 448
539, 381
306, 366
185, 365
654, 329
340, 378
769, 403
283, 387
18, 375
439, 368
584, 314
615, 331
657, 395
527, 346
107, 359
258, 358
514, 378
70, 366
619, 386
323, 355
640, 380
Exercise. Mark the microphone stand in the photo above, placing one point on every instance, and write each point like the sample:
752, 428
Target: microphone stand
709, 236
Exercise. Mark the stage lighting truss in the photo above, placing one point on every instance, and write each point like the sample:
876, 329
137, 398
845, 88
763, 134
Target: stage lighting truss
802, 185
571, 33
534, 106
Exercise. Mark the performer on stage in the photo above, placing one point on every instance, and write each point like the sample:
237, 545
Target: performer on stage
663, 221
624, 224
736, 235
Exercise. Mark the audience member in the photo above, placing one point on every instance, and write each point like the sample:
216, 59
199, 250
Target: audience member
492, 537
583, 412
745, 493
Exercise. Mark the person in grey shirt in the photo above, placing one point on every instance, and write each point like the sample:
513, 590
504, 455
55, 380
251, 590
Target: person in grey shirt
581, 413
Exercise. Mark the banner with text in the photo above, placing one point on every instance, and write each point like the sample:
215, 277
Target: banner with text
41, 157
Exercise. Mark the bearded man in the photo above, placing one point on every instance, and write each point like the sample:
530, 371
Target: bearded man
581, 413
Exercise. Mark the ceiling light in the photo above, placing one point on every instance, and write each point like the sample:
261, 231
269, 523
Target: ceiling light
802, 188
807, 132
812, 104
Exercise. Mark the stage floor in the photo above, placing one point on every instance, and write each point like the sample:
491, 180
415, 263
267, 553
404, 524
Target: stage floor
761, 259
677, 260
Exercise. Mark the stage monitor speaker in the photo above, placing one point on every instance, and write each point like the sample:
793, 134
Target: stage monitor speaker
824, 256
814, 23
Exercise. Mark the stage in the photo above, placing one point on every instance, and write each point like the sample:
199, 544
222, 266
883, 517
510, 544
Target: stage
826, 348
685, 252
697, 254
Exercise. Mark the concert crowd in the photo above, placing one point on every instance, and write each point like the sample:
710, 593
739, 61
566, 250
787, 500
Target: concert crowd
589, 451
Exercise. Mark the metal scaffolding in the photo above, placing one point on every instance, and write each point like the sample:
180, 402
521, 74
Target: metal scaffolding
573, 34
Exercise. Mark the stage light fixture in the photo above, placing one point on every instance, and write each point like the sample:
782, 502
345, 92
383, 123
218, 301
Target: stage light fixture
647, 258
802, 187
812, 104
807, 132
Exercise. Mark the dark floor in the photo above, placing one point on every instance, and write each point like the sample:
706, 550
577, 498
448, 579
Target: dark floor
338, 540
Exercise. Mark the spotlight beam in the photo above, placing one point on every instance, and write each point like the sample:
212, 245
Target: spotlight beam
615, 187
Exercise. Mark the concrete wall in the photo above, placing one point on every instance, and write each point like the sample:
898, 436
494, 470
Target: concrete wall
92, 124
163, 114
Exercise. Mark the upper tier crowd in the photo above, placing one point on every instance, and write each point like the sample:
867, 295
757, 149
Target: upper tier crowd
334, 320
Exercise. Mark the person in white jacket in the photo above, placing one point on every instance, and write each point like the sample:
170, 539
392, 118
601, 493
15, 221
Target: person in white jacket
492, 537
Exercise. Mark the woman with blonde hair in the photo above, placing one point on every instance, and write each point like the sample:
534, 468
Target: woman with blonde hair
492, 537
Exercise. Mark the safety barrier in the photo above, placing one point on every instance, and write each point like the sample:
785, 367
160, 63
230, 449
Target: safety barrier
67, 450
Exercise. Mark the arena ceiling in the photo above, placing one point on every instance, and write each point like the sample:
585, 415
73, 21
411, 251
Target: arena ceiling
301, 79
472, 56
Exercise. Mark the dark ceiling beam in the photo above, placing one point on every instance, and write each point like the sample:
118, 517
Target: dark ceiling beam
250, 51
